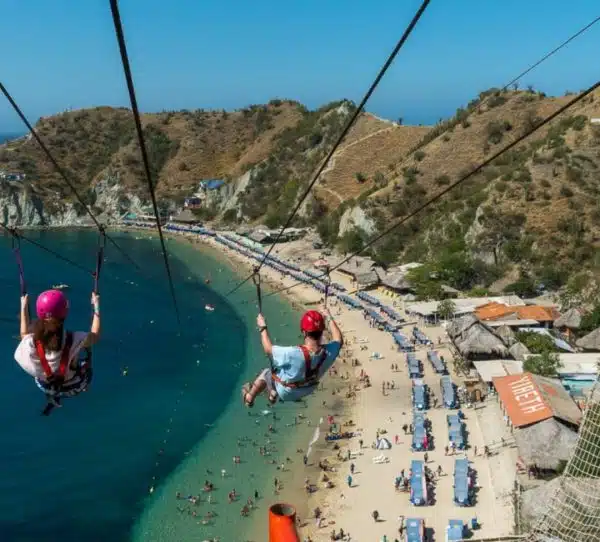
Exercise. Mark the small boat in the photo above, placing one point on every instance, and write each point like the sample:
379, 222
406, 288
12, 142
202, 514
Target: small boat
60, 287
209, 307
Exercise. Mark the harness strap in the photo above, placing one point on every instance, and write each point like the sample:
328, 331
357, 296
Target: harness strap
310, 374
64, 358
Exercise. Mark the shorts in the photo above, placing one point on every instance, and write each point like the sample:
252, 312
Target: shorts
79, 383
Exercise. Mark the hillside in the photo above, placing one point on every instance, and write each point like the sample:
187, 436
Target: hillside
530, 218
183, 146
533, 215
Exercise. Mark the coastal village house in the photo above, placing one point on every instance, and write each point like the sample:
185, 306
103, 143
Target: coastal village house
363, 272
208, 185
427, 310
394, 282
268, 236
145, 215
475, 341
517, 315
186, 217
543, 418
569, 322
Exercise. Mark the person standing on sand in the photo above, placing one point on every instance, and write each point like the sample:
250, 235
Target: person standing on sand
295, 370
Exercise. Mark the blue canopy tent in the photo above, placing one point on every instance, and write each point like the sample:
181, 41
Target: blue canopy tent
420, 336
449, 396
438, 365
455, 530
419, 395
419, 436
418, 486
462, 489
368, 298
414, 366
456, 431
403, 343
415, 530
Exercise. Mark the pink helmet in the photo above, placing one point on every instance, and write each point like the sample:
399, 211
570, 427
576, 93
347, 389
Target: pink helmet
52, 304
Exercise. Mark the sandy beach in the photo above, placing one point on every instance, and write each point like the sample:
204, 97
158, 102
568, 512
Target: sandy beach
384, 406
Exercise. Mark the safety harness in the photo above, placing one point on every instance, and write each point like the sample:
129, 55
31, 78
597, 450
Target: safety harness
311, 374
55, 385
55, 380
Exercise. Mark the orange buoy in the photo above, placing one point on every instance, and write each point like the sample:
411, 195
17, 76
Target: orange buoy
282, 523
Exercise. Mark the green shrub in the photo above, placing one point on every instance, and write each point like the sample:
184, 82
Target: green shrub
565, 191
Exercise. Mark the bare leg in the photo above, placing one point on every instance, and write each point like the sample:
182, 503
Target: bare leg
250, 393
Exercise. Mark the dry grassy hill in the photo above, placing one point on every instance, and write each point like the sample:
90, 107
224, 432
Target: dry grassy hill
367, 161
183, 146
535, 209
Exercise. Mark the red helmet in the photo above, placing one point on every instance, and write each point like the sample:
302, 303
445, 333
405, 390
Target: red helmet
312, 321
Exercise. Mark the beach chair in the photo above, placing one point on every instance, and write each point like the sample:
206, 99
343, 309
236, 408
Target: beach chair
380, 459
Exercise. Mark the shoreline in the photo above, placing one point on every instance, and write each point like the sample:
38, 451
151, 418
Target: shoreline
372, 410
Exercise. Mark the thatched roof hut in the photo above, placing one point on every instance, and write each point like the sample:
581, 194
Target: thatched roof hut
519, 351
506, 334
546, 444
574, 501
367, 280
570, 319
591, 341
397, 282
474, 339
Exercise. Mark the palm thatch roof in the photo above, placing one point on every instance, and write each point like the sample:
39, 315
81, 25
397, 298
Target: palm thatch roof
368, 279
568, 505
570, 319
396, 281
473, 338
506, 334
591, 341
547, 444
519, 351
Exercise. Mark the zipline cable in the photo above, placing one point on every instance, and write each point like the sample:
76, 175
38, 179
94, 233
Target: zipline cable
551, 53
450, 187
349, 124
61, 171
13, 231
532, 67
114, 6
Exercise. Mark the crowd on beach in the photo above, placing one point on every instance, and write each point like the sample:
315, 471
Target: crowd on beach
333, 469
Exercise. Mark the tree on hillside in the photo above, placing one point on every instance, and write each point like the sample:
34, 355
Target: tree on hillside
446, 309
426, 287
498, 229
535, 342
545, 364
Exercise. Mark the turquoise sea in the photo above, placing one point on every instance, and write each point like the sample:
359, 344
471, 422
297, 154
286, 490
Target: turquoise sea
84, 473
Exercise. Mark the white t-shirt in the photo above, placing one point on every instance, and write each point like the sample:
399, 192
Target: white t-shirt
26, 356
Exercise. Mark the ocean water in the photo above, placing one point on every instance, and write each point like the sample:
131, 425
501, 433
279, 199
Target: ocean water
7, 136
84, 473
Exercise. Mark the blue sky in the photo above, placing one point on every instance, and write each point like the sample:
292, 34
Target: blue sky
230, 53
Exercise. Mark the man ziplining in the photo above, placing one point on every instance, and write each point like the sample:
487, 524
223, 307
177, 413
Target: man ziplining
295, 370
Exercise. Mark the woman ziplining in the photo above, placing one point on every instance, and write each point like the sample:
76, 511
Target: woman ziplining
59, 360
294, 371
